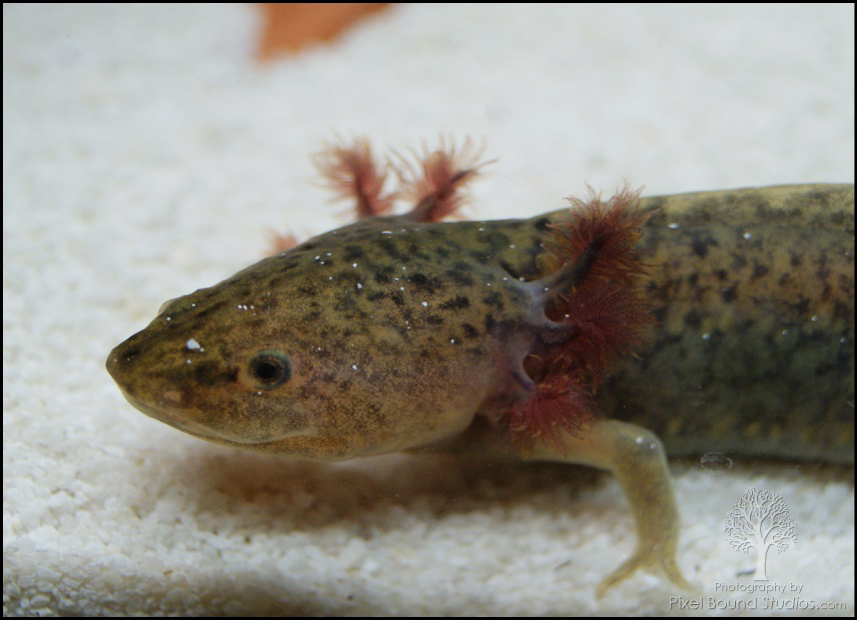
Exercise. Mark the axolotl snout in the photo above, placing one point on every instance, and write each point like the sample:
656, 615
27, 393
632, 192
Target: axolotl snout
407, 333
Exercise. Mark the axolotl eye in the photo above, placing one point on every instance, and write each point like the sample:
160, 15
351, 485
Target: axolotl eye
270, 369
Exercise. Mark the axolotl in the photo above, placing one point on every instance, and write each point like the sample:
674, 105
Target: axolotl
510, 338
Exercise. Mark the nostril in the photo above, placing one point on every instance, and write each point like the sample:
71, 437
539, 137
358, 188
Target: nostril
121, 357
128, 355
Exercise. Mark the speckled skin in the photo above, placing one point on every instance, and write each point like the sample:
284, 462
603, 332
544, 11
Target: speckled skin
753, 353
403, 335
397, 333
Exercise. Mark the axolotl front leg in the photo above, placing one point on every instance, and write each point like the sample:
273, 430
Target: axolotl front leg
635, 457
584, 311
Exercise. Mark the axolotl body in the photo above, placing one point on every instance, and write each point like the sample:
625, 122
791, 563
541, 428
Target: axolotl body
403, 332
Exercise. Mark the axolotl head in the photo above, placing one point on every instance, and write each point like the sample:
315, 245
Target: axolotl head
309, 353
211, 363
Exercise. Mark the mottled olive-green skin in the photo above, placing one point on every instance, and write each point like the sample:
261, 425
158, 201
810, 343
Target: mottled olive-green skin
401, 333
397, 332
753, 353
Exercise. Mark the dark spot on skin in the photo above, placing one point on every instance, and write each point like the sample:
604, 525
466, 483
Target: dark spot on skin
309, 291
490, 323
801, 306
843, 312
759, 271
347, 305
211, 309
692, 319
384, 275
469, 330
707, 209
209, 373
375, 296
416, 249
434, 319
495, 300
278, 282
353, 251
700, 245
542, 224
348, 277
456, 303
664, 289
425, 283
442, 253
308, 246
738, 262
391, 249
721, 274
270, 303
729, 294
823, 270
288, 261
497, 240
398, 298
459, 277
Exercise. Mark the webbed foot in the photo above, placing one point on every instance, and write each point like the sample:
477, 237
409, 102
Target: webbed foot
652, 559
636, 458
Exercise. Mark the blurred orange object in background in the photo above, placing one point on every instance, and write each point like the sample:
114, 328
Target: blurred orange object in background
290, 27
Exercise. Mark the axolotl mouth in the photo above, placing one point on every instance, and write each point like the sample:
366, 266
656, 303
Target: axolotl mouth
196, 400
173, 416
166, 415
